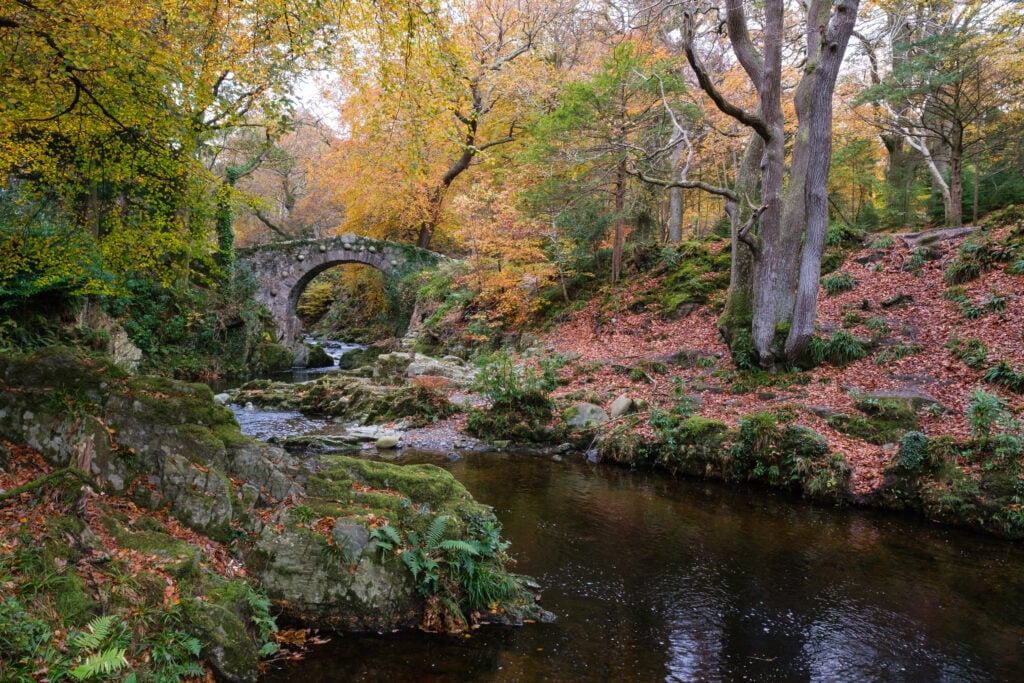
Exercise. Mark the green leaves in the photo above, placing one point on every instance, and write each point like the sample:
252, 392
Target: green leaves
103, 663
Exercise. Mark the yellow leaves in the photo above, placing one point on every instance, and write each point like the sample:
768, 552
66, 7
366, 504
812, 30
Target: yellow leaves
504, 250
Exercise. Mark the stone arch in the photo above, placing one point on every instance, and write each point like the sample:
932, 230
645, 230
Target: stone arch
283, 269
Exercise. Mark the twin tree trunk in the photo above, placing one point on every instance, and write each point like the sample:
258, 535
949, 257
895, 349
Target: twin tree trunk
774, 289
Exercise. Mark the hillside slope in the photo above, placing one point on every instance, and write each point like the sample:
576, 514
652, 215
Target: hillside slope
913, 305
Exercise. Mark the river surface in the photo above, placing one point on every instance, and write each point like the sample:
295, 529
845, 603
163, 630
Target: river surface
656, 579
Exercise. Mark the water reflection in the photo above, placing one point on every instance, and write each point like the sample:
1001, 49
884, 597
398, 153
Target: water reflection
655, 579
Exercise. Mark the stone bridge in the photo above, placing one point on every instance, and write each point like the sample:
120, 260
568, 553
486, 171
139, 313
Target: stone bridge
283, 269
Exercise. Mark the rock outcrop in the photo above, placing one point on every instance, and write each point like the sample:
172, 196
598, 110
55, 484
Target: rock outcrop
310, 524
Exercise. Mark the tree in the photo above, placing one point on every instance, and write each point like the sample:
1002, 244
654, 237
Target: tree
431, 107
940, 95
288, 195
786, 231
109, 111
608, 125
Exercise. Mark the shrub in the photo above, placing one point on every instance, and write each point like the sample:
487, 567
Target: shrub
896, 352
841, 349
986, 412
838, 282
974, 258
913, 451
972, 351
879, 326
841, 233
519, 402
503, 381
1002, 374
919, 255
852, 319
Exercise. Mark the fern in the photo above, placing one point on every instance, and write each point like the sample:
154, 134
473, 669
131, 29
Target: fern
99, 630
103, 663
191, 645
386, 537
459, 546
435, 532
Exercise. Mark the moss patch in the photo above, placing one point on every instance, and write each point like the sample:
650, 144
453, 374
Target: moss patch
884, 420
690, 283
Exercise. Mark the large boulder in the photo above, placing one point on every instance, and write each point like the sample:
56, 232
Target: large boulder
621, 406
399, 367
352, 592
170, 435
584, 416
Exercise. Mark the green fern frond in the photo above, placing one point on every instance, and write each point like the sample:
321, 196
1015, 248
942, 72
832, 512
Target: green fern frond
459, 546
98, 630
412, 561
436, 531
257, 600
388, 533
103, 663
191, 645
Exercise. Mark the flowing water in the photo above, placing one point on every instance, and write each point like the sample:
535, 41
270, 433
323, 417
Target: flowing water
657, 579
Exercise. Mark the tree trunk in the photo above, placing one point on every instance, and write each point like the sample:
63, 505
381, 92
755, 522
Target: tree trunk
974, 212
675, 202
955, 209
767, 276
619, 236
819, 141
739, 301
777, 286
900, 169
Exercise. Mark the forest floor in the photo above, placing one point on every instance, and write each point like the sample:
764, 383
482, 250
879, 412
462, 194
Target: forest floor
920, 325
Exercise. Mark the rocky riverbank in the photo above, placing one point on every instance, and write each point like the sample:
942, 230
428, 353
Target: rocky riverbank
335, 542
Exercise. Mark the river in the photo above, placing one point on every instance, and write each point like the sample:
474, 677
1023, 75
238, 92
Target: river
657, 579
654, 579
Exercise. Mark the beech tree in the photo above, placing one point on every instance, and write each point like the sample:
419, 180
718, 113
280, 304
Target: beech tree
436, 93
773, 304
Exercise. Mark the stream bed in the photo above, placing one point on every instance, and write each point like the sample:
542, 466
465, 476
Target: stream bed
658, 579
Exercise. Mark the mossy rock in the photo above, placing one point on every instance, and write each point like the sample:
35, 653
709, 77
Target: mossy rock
227, 647
421, 483
81, 376
269, 394
508, 426
269, 357
357, 358
418, 404
694, 445
833, 259
318, 358
769, 448
70, 599
690, 284
163, 401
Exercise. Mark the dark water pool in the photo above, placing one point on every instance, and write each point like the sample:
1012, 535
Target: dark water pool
654, 579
